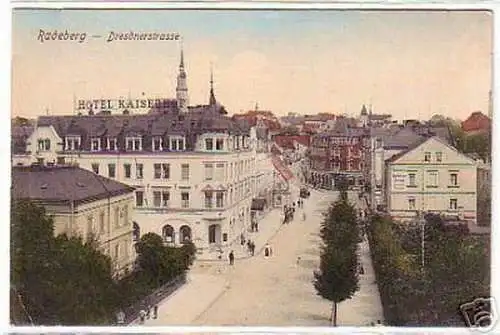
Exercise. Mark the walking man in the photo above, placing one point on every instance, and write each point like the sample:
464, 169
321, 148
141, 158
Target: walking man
155, 312
231, 258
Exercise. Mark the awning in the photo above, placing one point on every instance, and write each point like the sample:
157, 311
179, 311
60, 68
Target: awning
282, 168
258, 204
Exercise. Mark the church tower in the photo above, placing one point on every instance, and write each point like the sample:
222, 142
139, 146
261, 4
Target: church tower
181, 89
212, 101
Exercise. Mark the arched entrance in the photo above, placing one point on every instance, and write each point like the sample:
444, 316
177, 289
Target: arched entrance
136, 232
214, 234
168, 234
185, 234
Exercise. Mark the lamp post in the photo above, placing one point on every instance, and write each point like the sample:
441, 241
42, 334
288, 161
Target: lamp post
421, 221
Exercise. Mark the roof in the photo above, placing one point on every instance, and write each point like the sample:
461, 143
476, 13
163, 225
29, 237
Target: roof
288, 141
475, 122
283, 170
200, 119
422, 141
63, 184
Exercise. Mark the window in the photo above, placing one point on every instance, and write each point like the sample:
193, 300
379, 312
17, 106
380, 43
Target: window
133, 143
209, 171
439, 156
117, 216
90, 227
219, 172
219, 199
208, 199
161, 198
139, 198
44, 145
411, 204
102, 227
127, 168
125, 215
453, 204
161, 171
176, 144
139, 170
111, 171
219, 144
454, 179
411, 178
427, 157
95, 168
185, 200
95, 144
209, 144
157, 144
432, 179
185, 171
72, 143
112, 144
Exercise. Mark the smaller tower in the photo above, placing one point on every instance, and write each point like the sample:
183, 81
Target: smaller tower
181, 89
212, 101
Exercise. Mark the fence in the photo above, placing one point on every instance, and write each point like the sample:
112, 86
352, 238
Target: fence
132, 312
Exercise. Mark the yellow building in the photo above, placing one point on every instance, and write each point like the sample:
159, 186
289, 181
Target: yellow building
83, 203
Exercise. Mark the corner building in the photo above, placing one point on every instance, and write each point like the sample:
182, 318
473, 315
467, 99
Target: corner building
193, 167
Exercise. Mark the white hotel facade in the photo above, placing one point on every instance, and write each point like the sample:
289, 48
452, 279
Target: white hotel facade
194, 169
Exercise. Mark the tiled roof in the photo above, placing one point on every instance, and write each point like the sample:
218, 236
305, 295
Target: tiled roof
420, 141
283, 170
63, 184
199, 120
476, 121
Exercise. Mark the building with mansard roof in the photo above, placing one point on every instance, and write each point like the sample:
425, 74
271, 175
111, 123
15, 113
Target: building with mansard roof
193, 167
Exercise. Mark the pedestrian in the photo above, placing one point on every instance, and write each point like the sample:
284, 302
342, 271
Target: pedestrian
231, 258
120, 318
252, 249
267, 251
242, 239
256, 226
155, 312
142, 316
148, 312
249, 245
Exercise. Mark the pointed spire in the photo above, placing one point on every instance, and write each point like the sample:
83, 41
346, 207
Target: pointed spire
181, 65
363, 110
212, 100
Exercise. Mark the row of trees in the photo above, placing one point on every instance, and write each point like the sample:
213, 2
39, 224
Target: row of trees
337, 277
456, 270
62, 280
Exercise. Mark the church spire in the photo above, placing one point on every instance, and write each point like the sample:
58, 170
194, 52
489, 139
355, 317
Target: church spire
181, 89
212, 100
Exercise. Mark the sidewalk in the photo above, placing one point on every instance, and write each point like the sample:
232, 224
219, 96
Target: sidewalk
179, 309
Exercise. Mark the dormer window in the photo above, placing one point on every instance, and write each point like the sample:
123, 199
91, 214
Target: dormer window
95, 144
177, 144
44, 145
134, 143
112, 144
72, 143
209, 144
427, 156
157, 143
219, 144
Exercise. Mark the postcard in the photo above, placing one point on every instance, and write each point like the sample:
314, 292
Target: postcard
264, 167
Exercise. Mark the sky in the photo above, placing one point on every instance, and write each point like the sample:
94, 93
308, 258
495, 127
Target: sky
411, 64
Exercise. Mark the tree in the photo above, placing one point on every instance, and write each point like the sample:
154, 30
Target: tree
60, 280
337, 278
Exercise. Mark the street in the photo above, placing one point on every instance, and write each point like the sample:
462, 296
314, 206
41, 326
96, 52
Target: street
274, 291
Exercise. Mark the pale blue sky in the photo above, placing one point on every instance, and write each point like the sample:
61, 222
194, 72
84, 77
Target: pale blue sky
404, 63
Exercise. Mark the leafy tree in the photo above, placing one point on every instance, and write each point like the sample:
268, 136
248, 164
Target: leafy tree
337, 278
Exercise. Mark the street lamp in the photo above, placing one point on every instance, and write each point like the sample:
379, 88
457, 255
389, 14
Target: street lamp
421, 221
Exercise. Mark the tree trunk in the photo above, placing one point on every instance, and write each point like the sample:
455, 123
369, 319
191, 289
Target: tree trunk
333, 318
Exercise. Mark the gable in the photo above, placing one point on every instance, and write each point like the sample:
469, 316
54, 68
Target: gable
433, 145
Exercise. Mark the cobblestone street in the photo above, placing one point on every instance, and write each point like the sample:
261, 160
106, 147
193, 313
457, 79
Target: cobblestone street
274, 291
